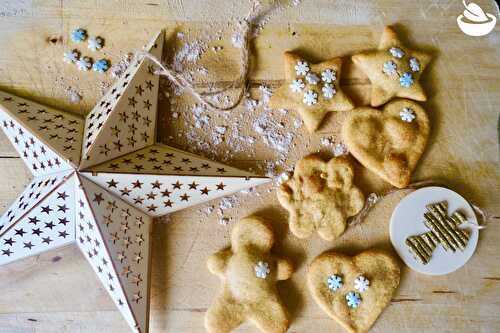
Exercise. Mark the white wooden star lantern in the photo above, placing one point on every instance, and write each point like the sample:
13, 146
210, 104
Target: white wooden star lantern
100, 181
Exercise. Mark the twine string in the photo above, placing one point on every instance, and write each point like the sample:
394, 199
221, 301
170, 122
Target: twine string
241, 83
373, 198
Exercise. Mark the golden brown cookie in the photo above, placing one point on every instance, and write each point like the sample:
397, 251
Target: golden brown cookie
353, 290
249, 273
311, 89
389, 142
321, 196
394, 69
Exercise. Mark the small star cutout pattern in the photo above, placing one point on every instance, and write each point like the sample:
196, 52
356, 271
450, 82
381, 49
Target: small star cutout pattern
393, 69
99, 182
312, 90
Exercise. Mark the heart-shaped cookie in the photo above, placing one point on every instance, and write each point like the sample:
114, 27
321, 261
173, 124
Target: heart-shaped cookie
390, 141
353, 290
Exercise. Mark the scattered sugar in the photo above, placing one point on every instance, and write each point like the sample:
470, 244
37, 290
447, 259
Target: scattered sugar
74, 96
121, 66
237, 40
339, 149
271, 132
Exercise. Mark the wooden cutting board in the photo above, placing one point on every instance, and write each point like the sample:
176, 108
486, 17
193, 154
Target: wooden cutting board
58, 291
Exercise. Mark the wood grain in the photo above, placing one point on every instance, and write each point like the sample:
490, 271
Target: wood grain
58, 291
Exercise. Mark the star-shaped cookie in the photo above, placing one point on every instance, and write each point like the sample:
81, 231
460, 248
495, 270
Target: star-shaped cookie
393, 69
311, 89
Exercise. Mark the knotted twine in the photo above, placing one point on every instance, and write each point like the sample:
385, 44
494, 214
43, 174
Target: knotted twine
241, 83
373, 198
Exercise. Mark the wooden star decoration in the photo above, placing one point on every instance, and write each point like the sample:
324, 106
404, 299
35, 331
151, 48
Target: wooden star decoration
100, 181
312, 90
393, 69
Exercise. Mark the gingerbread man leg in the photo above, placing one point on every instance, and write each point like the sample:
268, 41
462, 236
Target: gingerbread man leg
269, 315
224, 315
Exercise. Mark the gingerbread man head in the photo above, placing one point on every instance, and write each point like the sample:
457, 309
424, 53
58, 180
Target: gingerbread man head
249, 273
321, 196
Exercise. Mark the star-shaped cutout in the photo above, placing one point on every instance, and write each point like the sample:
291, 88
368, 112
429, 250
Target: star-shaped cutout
97, 183
312, 90
393, 69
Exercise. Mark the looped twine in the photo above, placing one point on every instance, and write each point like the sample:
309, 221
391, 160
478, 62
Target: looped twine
373, 198
241, 83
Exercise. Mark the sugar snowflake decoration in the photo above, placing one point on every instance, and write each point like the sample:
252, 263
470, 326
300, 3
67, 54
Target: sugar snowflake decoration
406, 80
84, 64
310, 98
389, 67
301, 68
353, 299
297, 85
328, 91
328, 76
78, 35
71, 56
397, 52
407, 115
262, 269
95, 43
339, 149
312, 78
361, 284
414, 65
334, 282
101, 66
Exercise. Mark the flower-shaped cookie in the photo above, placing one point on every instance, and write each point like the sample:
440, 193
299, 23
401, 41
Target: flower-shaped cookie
394, 70
311, 89
321, 196
249, 272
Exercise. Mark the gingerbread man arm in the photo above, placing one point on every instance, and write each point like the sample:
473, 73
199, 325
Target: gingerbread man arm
217, 262
284, 269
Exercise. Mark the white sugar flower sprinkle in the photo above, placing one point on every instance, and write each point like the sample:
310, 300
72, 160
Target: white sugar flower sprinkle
71, 56
407, 114
84, 64
390, 67
414, 65
397, 52
297, 85
328, 91
95, 43
312, 78
361, 284
262, 269
301, 68
328, 76
334, 282
310, 98
339, 149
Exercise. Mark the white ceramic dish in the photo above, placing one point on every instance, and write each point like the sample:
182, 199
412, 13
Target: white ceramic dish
407, 220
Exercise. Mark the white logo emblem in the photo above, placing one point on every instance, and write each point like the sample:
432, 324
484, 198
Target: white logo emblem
474, 21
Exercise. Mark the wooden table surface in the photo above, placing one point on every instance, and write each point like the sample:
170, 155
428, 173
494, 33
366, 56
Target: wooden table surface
59, 292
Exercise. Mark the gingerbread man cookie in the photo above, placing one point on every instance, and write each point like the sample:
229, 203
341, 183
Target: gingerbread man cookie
321, 196
311, 89
394, 69
249, 273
